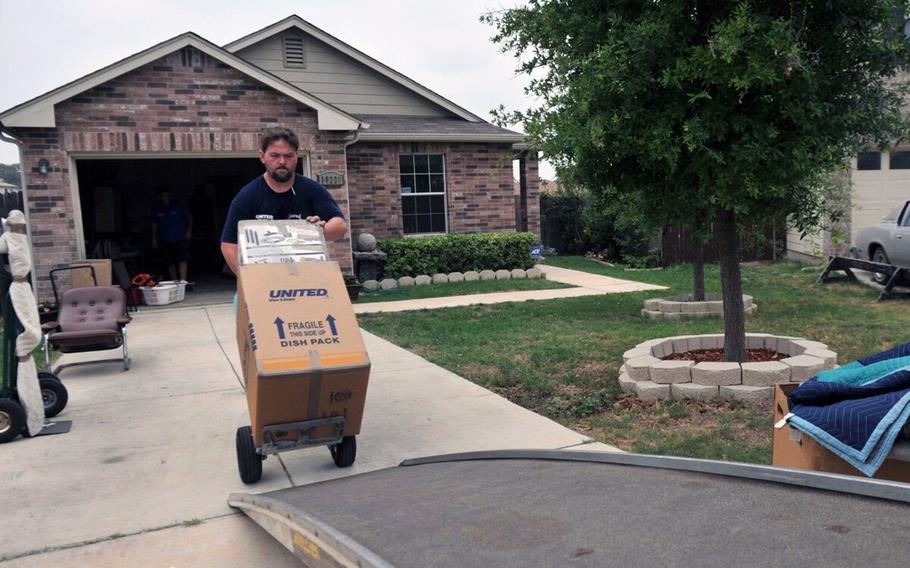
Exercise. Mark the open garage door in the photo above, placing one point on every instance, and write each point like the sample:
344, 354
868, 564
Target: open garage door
118, 203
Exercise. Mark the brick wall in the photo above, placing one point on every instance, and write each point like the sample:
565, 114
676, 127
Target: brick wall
529, 173
375, 189
184, 102
479, 186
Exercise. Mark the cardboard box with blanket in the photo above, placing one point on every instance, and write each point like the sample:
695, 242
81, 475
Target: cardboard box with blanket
792, 448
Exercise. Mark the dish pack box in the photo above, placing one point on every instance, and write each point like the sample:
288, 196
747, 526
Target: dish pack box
301, 349
792, 448
286, 241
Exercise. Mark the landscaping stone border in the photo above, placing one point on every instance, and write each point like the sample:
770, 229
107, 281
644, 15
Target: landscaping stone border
470, 276
645, 373
682, 306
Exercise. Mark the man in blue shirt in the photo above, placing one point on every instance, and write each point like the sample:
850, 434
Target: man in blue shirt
280, 193
172, 229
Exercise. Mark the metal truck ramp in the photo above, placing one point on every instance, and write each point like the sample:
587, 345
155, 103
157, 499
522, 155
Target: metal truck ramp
555, 508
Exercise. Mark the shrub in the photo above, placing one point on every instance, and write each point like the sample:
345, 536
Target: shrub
577, 221
561, 220
459, 252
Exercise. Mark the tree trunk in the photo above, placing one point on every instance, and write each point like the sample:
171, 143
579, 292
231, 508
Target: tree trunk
731, 281
698, 272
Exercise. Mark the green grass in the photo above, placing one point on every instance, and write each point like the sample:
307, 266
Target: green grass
561, 357
456, 289
37, 354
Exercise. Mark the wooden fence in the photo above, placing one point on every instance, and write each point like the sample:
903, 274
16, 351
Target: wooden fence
766, 242
10, 199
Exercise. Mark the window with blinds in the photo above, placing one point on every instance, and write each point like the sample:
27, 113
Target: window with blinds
293, 52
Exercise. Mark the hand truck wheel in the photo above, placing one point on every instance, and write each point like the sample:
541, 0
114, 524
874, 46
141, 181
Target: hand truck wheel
344, 452
249, 463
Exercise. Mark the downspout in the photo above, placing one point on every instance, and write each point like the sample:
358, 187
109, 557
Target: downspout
8, 136
347, 185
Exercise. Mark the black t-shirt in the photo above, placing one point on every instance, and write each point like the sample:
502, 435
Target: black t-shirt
256, 200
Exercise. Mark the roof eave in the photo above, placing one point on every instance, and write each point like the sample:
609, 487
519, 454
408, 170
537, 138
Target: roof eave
367, 136
39, 112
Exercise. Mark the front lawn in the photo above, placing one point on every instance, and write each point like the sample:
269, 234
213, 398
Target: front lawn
561, 358
457, 289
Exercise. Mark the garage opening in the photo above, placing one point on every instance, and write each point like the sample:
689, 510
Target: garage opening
118, 199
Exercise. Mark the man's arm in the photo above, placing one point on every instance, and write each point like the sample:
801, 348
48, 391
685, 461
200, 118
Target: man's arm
189, 227
229, 252
333, 229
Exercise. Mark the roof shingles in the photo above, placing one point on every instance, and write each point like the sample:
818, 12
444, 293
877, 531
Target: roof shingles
391, 127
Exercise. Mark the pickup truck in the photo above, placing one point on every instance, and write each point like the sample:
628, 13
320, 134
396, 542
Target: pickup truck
888, 242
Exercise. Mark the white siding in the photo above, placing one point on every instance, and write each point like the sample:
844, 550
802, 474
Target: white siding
877, 192
874, 193
800, 249
339, 80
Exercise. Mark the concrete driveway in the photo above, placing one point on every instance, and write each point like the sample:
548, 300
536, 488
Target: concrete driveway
142, 478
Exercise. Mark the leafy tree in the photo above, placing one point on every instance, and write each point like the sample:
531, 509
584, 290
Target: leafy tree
710, 113
10, 174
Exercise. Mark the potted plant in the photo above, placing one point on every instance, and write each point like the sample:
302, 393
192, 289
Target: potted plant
354, 287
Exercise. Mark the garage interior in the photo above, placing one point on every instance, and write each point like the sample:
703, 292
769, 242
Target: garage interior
118, 199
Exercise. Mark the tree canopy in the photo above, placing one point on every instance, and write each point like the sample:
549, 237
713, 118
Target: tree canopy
10, 174
709, 111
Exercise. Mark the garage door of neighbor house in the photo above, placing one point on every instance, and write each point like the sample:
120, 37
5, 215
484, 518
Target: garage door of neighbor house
117, 201
881, 180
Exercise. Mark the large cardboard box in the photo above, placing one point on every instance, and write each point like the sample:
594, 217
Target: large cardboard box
792, 448
82, 278
300, 345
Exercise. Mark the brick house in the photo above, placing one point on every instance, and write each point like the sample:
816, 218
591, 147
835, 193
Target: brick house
184, 115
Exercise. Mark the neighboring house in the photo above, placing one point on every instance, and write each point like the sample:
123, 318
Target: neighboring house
880, 181
544, 186
550, 186
185, 115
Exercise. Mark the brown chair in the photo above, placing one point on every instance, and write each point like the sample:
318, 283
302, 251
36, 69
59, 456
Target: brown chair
90, 319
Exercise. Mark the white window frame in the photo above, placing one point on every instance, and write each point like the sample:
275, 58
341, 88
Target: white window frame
443, 193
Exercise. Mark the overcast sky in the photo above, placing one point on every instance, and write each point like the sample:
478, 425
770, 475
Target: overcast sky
442, 45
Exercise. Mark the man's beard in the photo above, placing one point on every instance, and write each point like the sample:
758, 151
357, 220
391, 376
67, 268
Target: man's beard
281, 175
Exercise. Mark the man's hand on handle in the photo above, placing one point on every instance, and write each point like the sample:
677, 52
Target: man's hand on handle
334, 228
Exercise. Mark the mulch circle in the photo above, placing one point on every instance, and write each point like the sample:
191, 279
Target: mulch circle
717, 356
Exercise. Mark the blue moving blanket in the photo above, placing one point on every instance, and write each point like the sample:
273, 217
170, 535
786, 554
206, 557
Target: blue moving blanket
858, 410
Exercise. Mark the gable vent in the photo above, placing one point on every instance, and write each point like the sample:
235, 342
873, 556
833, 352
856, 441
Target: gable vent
293, 51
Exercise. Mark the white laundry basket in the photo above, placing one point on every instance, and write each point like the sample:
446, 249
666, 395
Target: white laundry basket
168, 292
181, 288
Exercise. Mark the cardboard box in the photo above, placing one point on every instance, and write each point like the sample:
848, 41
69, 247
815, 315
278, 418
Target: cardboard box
286, 241
792, 448
82, 278
301, 348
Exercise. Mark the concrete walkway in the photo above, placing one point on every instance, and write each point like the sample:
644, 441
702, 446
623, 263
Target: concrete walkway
586, 284
142, 478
